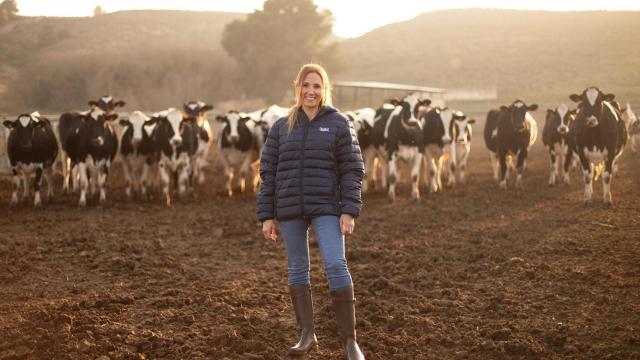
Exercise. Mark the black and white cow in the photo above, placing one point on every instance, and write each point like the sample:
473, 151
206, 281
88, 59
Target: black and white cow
447, 136
176, 141
599, 138
378, 140
557, 139
105, 105
363, 121
90, 143
633, 124
138, 152
402, 138
238, 148
511, 131
32, 147
196, 111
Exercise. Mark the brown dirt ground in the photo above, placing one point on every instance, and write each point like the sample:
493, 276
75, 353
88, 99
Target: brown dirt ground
470, 273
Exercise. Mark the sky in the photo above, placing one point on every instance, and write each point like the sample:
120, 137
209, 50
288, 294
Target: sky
352, 17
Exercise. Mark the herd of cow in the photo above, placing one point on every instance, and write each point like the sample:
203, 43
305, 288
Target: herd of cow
172, 146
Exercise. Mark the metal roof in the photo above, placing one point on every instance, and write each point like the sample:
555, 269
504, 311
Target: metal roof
388, 86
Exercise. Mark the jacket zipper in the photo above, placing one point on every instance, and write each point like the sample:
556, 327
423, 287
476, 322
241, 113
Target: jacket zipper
304, 140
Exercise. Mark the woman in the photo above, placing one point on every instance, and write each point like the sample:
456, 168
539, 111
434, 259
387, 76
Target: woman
311, 171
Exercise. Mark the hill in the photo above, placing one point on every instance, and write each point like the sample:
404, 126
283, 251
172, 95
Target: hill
540, 54
142, 55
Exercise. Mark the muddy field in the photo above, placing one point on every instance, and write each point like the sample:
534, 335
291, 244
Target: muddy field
471, 273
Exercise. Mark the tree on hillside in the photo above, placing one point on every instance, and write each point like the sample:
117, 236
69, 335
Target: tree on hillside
8, 11
99, 10
270, 45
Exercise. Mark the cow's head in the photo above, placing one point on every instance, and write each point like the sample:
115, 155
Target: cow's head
233, 125
196, 109
560, 119
518, 112
461, 126
99, 127
412, 106
106, 104
23, 127
591, 104
136, 122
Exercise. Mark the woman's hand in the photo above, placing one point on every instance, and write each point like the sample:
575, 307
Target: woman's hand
269, 230
347, 223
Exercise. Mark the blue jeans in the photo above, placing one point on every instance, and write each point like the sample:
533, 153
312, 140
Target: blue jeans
331, 243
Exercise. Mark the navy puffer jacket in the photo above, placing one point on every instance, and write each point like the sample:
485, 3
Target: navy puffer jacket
316, 170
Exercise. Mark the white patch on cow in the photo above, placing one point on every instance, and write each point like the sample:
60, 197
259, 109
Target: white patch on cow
192, 106
107, 99
393, 114
25, 120
233, 119
35, 115
592, 95
366, 115
388, 106
447, 116
407, 152
149, 128
518, 104
562, 111
463, 128
137, 119
596, 156
613, 112
175, 119
96, 112
533, 128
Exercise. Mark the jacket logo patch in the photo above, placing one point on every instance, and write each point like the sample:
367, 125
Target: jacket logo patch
324, 129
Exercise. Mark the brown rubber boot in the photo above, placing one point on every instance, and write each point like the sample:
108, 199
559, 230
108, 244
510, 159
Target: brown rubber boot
303, 307
344, 305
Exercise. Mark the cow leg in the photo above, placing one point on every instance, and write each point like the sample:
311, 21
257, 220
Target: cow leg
165, 180
554, 166
464, 156
126, 170
66, 168
26, 189
587, 170
102, 174
202, 162
183, 180
520, 167
384, 173
48, 176
634, 143
245, 169
568, 165
432, 171
75, 177
392, 177
37, 182
451, 168
369, 171
502, 158
84, 183
144, 178
255, 176
16, 181
229, 175
415, 176
607, 175
495, 165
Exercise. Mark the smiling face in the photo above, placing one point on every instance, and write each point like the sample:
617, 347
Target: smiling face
311, 91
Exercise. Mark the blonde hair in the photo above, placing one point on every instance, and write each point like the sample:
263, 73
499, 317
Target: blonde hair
305, 70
